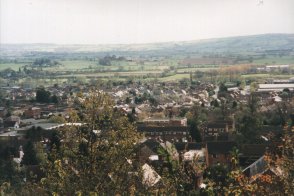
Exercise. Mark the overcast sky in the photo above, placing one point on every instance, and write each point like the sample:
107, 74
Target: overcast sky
139, 21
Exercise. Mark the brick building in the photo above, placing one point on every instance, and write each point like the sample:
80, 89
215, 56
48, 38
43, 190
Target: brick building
33, 112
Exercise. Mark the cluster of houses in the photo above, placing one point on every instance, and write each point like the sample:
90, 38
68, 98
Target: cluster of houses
157, 109
204, 154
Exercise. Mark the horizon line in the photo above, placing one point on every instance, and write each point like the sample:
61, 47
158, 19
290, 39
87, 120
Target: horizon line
143, 43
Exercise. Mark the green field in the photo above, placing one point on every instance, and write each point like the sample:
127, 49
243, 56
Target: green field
174, 77
111, 74
274, 60
14, 66
87, 69
202, 69
74, 65
278, 76
255, 76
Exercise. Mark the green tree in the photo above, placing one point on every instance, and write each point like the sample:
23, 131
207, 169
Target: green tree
54, 99
10, 174
222, 87
195, 117
29, 157
215, 103
218, 175
34, 134
194, 130
55, 141
253, 103
97, 157
249, 125
42, 95
234, 104
179, 177
281, 158
128, 100
253, 87
235, 153
57, 119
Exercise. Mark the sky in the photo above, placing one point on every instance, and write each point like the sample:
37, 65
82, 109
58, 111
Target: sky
139, 21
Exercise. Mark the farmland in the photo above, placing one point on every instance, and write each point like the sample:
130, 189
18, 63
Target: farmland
216, 59
175, 77
14, 66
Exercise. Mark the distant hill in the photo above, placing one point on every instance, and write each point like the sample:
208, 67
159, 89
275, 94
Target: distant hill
265, 43
254, 43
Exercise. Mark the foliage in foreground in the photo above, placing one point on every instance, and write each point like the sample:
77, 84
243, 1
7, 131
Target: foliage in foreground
99, 157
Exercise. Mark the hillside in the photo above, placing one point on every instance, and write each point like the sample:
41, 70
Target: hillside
254, 43
266, 43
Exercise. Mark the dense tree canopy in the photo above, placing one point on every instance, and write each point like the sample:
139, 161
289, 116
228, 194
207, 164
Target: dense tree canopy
95, 157
29, 157
42, 95
44, 62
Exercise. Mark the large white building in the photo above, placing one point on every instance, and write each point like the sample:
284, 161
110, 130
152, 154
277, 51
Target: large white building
275, 87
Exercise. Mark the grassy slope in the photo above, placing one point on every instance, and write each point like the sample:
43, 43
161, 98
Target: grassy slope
14, 66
